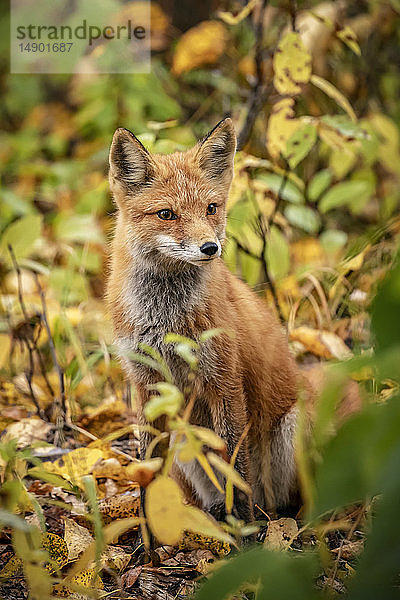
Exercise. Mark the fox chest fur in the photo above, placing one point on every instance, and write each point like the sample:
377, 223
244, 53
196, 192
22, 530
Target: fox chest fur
157, 303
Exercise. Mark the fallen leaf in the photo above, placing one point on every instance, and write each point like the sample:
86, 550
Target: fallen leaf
76, 537
116, 558
194, 541
74, 465
279, 533
58, 551
129, 578
350, 550
27, 431
321, 343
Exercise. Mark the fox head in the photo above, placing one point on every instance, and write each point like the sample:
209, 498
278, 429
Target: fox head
173, 207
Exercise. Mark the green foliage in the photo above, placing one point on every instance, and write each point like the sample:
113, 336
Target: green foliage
312, 218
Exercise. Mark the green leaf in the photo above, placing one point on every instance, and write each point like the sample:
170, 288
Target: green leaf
69, 287
333, 240
345, 126
77, 228
343, 194
282, 576
250, 268
287, 190
168, 402
386, 311
277, 254
22, 236
378, 570
18, 205
303, 217
353, 461
318, 184
300, 143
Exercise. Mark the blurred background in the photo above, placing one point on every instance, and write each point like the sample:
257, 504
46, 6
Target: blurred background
313, 224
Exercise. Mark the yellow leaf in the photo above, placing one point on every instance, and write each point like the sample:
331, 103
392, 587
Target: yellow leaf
74, 465
12, 567
194, 541
209, 471
164, 510
349, 38
281, 126
229, 472
208, 437
110, 532
200, 45
5, 348
356, 262
321, 343
76, 537
292, 65
57, 549
116, 558
168, 517
231, 19
193, 519
330, 90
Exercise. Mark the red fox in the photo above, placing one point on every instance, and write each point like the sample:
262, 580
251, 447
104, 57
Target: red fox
167, 275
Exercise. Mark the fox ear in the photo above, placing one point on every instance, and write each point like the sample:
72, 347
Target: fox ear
130, 162
217, 149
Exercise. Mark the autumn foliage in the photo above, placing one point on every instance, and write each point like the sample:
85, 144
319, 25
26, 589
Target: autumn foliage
313, 226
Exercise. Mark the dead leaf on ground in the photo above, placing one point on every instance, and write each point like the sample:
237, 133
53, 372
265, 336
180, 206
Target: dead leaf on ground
115, 558
27, 431
194, 541
110, 415
76, 537
74, 465
279, 533
321, 343
349, 550
129, 578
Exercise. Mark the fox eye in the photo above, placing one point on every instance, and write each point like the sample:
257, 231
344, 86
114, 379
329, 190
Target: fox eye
166, 214
211, 209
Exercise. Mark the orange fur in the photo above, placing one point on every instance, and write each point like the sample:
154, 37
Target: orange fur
250, 376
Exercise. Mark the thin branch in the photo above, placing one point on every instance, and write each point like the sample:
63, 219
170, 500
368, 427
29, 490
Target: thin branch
25, 338
57, 365
260, 90
293, 14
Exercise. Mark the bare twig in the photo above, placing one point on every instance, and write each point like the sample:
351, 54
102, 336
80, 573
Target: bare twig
62, 412
293, 14
25, 338
260, 90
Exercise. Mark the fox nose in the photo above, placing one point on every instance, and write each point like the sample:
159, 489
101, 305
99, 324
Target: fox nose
209, 248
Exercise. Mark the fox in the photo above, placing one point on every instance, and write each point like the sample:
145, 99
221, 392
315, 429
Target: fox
167, 275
